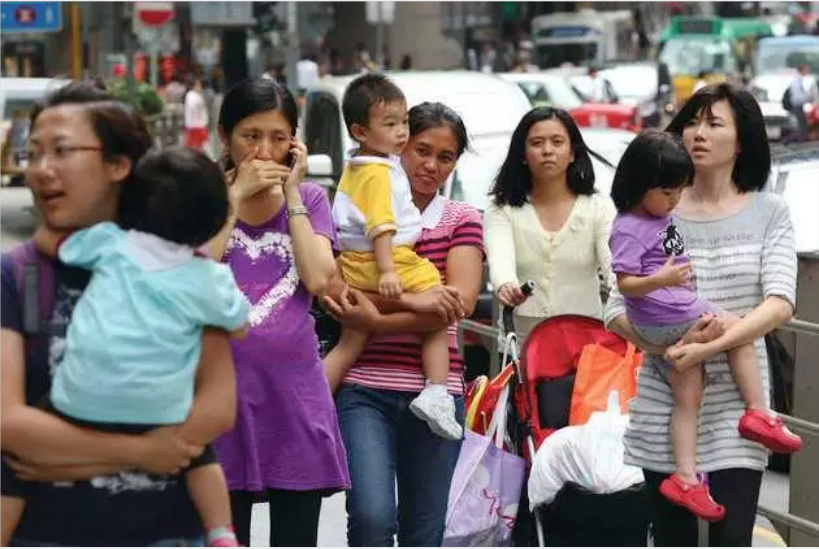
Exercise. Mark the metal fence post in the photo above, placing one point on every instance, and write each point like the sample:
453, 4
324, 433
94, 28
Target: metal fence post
804, 489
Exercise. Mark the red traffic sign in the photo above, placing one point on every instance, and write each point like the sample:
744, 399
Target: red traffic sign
154, 14
24, 15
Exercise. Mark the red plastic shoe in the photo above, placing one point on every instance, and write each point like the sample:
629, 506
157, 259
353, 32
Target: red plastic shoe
770, 431
694, 497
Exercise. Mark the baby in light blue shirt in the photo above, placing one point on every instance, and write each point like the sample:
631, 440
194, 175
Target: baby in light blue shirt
135, 336
136, 333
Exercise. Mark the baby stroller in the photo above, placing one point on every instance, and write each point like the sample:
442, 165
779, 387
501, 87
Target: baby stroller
543, 380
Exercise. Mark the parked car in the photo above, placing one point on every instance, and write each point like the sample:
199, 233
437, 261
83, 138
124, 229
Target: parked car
643, 84
17, 98
553, 88
795, 176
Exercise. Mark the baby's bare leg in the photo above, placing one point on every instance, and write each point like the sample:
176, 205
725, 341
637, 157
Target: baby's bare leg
11, 511
687, 390
435, 357
339, 360
209, 492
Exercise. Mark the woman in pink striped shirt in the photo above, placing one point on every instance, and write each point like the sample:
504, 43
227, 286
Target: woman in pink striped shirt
385, 442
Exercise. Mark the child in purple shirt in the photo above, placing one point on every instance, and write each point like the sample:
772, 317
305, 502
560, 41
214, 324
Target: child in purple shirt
655, 278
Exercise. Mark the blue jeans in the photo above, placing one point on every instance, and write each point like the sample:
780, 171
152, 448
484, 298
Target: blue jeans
385, 442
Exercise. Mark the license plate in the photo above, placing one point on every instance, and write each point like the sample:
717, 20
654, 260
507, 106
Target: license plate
774, 132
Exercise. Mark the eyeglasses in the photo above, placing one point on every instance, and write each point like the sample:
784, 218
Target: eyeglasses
59, 154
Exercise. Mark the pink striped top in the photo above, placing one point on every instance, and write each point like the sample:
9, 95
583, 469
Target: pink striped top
393, 361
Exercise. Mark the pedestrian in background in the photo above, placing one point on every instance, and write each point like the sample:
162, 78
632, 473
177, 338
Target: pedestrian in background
802, 91
547, 223
387, 444
286, 447
196, 116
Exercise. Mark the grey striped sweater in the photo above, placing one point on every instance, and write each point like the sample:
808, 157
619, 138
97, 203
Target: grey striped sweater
738, 261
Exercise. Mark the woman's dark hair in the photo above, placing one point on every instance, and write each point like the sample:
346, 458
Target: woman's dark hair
514, 181
753, 163
653, 160
178, 194
427, 116
253, 96
121, 132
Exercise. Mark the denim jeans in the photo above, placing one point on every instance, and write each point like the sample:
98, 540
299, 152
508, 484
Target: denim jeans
386, 443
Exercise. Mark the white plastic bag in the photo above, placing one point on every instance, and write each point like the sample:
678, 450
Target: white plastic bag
590, 455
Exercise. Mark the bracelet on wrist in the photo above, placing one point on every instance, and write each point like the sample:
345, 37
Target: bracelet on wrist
296, 210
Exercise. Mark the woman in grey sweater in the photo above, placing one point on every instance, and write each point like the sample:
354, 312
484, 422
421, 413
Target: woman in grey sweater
740, 241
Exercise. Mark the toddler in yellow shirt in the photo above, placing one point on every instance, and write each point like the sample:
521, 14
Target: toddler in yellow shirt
378, 225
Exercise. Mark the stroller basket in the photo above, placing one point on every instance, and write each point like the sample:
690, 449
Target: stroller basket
578, 517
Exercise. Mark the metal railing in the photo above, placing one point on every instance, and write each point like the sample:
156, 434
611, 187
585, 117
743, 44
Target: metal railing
807, 427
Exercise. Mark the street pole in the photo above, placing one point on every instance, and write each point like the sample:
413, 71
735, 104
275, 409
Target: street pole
76, 42
379, 36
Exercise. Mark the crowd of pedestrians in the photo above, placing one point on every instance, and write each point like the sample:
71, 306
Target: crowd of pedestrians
164, 266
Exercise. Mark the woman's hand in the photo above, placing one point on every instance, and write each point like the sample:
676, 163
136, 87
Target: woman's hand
254, 176
298, 168
708, 328
353, 310
509, 295
165, 451
686, 356
445, 301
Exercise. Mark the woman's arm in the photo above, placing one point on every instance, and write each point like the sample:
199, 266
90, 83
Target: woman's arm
39, 437
499, 240
214, 403
604, 219
464, 268
765, 318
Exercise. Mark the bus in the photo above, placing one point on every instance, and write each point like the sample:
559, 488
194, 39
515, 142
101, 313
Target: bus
580, 38
715, 46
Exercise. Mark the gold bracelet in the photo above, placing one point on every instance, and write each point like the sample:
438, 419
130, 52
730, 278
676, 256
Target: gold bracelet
296, 210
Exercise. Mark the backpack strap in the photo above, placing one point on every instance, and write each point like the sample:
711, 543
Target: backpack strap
36, 283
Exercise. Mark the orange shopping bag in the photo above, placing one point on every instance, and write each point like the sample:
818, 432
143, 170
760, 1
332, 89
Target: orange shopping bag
600, 371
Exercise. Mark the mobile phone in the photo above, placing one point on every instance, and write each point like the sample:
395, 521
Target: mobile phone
290, 159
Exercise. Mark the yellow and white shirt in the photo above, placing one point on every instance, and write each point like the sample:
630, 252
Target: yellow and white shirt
373, 197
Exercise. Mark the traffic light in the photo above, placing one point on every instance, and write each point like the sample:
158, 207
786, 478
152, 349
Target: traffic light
266, 17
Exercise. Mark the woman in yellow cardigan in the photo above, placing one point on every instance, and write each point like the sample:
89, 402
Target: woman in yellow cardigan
547, 223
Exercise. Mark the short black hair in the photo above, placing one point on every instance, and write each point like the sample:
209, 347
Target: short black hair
653, 160
365, 92
753, 163
514, 181
178, 194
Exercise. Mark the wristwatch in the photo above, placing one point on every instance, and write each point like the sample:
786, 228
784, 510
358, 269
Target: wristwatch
297, 210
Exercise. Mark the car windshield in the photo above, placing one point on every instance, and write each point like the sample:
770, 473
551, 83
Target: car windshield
560, 93
686, 56
554, 55
784, 56
637, 82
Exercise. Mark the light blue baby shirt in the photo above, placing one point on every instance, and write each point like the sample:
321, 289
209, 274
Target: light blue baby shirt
135, 336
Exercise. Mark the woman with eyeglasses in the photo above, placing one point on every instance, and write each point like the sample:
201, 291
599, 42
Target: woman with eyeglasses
546, 223
83, 151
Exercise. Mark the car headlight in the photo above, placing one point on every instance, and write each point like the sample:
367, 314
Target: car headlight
761, 94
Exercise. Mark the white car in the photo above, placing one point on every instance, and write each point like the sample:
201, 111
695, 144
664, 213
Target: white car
490, 107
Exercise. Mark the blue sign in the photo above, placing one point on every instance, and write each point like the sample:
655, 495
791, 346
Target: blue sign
31, 16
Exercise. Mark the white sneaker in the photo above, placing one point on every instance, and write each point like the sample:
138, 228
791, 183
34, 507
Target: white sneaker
437, 408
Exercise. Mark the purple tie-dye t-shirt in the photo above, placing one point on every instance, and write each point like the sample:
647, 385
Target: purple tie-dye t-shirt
640, 246
286, 434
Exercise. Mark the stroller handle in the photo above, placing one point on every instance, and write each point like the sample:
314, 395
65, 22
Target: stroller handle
507, 313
